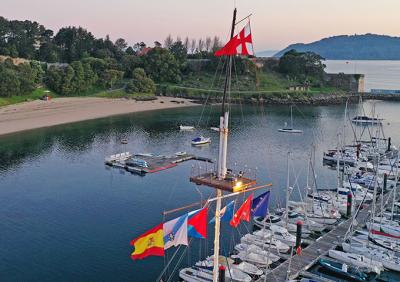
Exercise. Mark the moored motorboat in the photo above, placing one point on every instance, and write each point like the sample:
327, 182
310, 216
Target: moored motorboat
343, 270
198, 141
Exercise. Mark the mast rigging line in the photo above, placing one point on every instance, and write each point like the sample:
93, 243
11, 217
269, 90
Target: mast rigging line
206, 202
243, 19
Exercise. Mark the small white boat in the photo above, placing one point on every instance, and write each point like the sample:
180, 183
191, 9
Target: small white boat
198, 141
278, 232
229, 263
186, 127
290, 130
265, 243
265, 223
198, 274
357, 260
248, 268
257, 250
118, 157
215, 128
254, 258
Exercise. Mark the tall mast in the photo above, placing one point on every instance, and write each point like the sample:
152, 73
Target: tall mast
291, 116
223, 147
287, 190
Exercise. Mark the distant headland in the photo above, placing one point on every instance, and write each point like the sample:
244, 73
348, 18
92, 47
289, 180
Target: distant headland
351, 47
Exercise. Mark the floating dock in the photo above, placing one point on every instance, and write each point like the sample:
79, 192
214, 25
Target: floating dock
311, 254
149, 163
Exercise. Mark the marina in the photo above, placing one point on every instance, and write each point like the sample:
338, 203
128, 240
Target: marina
214, 149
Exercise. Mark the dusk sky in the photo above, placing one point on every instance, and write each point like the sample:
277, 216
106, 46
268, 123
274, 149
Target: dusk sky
275, 23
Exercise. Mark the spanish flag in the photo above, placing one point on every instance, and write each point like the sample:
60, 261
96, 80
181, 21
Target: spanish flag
150, 243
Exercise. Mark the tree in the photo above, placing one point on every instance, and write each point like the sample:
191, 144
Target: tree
157, 44
49, 52
110, 76
216, 44
74, 43
139, 46
120, 44
9, 82
140, 83
302, 66
26, 77
37, 72
200, 45
193, 46
67, 87
90, 76
208, 44
54, 78
168, 41
179, 51
129, 63
78, 83
130, 51
161, 65
186, 43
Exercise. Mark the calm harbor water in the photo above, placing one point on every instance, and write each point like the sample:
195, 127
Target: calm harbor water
378, 74
64, 216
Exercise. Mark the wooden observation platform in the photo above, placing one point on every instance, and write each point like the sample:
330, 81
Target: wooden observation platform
231, 183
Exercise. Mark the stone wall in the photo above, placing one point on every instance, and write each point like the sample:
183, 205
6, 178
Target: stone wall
347, 82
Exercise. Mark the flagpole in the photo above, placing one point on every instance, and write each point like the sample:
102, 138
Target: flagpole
223, 146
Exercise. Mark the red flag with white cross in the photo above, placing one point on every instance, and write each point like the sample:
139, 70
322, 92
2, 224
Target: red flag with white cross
240, 44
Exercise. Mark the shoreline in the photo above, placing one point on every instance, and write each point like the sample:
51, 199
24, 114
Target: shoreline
41, 114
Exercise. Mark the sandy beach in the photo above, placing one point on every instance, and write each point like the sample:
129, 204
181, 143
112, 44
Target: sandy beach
38, 114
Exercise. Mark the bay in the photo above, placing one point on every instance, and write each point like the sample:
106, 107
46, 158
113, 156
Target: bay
65, 216
378, 74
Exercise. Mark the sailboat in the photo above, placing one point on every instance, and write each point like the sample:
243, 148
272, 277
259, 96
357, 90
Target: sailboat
290, 129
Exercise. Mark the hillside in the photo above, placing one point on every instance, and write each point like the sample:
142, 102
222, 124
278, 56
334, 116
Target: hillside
353, 47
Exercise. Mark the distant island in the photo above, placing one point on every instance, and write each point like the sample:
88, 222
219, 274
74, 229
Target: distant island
351, 47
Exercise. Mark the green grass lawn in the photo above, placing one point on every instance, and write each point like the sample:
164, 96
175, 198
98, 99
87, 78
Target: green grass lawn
269, 81
36, 94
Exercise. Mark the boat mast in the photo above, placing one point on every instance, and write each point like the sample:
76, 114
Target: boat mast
395, 187
223, 147
291, 116
287, 191
338, 184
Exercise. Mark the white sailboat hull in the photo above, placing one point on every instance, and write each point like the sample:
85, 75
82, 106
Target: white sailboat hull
357, 260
